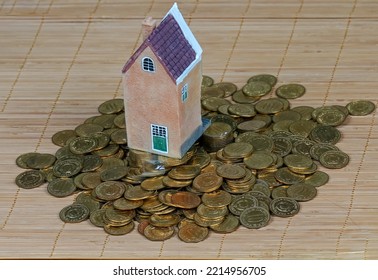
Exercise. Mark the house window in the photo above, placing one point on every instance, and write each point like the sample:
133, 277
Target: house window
159, 135
148, 64
184, 93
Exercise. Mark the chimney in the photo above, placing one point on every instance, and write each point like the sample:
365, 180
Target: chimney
148, 25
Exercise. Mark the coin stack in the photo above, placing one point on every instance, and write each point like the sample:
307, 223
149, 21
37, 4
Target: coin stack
258, 158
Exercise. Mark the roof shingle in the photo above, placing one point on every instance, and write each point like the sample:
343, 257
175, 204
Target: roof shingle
170, 45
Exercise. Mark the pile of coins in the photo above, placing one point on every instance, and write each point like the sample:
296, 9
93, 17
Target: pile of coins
259, 157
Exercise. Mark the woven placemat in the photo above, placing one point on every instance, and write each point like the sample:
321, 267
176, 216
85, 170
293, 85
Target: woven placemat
59, 61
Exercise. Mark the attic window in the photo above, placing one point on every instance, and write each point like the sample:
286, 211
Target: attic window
148, 64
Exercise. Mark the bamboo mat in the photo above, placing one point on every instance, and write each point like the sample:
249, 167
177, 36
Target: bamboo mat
60, 59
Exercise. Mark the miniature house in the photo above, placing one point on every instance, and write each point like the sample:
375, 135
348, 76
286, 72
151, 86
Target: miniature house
162, 88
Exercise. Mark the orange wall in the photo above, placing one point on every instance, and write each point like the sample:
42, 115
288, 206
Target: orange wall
154, 98
155, 103
190, 110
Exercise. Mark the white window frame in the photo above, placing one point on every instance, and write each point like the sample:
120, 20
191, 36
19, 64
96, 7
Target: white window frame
184, 93
159, 131
148, 64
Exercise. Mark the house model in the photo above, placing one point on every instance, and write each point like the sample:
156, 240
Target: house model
162, 88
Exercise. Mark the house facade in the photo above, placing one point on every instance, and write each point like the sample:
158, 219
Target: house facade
162, 88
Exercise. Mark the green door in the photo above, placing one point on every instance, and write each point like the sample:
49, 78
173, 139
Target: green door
159, 136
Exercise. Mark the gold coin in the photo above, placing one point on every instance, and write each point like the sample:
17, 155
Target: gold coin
185, 200
152, 184
172, 183
91, 163
114, 173
165, 220
240, 97
332, 116
30, 179
21, 160
242, 110
86, 129
285, 176
228, 88
205, 222
207, 81
228, 225
119, 230
279, 191
74, 213
212, 92
305, 111
67, 168
259, 161
325, 134
319, 178
119, 136
126, 204
192, 233
112, 106
60, 138
91, 180
61, 187
212, 213
97, 218
158, 233
110, 190
251, 125
86, 199
137, 193
231, 171
261, 143
334, 159
120, 121
298, 161
184, 172
108, 151
319, 148
284, 207
119, 217
238, 150
82, 145
256, 88
360, 107
286, 115
301, 192
102, 139
207, 182
282, 146
302, 127
105, 121
269, 106
39, 161
254, 217
267, 78
290, 91
212, 103
216, 198
240, 203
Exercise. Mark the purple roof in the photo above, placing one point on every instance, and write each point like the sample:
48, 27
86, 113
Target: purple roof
169, 44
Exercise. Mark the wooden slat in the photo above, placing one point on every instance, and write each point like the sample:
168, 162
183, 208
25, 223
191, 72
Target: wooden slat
60, 59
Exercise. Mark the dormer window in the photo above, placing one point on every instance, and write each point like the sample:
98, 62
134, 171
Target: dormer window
148, 64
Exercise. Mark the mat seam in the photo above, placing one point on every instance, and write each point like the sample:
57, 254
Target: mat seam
236, 40
18, 190
105, 243
8, 97
296, 17
352, 195
339, 53
282, 240
58, 97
